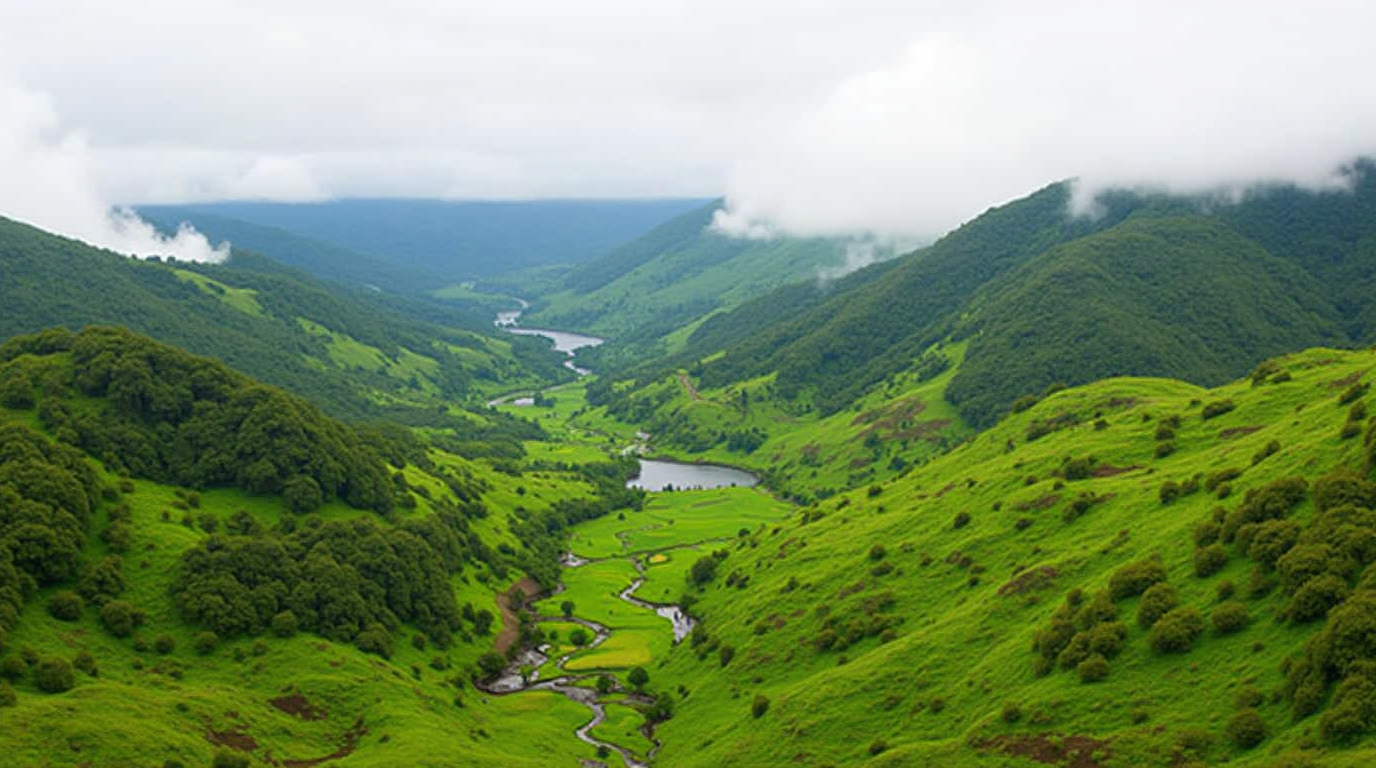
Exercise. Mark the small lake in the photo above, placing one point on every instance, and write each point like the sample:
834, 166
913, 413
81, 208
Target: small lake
656, 475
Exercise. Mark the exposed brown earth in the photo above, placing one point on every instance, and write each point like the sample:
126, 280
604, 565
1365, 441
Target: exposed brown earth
1068, 751
511, 622
1029, 580
297, 705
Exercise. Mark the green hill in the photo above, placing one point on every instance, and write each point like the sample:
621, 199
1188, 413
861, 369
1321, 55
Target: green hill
194, 565
357, 353
1046, 298
648, 294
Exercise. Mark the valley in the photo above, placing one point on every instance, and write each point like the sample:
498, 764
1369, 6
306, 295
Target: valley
914, 515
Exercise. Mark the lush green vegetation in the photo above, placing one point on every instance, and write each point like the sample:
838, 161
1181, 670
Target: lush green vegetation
1194, 288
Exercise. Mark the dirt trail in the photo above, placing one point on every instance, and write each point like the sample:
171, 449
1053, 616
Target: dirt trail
511, 622
688, 386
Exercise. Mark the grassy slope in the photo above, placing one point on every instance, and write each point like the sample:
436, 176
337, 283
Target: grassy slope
137, 712
962, 643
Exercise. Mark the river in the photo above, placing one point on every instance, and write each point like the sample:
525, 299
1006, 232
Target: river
568, 343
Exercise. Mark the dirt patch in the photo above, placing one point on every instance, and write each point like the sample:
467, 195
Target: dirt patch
357, 731
1122, 402
1030, 580
234, 738
1232, 432
1041, 502
688, 387
297, 705
890, 416
848, 591
949, 487
511, 623
1068, 751
1347, 380
1108, 470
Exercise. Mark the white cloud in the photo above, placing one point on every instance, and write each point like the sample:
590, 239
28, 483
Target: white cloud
988, 106
46, 181
814, 116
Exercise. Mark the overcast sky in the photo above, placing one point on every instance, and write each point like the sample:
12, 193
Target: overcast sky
896, 118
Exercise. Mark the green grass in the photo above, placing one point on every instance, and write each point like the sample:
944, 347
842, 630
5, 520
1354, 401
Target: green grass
960, 641
243, 299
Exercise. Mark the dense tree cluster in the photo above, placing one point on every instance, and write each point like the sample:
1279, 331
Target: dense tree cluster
174, 417
48, 494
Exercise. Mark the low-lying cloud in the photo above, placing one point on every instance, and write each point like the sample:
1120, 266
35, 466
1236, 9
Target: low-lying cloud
989, 105
46, 181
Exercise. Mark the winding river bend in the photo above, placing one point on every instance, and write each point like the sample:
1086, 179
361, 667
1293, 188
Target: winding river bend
568, 343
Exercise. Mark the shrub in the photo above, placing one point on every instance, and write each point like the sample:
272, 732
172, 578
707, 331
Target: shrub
877, 746
86, 663
205, 642
376, 640
1246, 729
1164, 432
1352, 712
759, 706
1107, 638
302, 494
284, 624
1092, 669
1271, 540
1353, 393
638, 678
579, 637
1176, 631
13, 668
7, 696
1011, 713
1302, 563
66, 605
1217, 408
226, 759
704, 569
54, 675
1313, 600
491, 664
1207, 532
118, 616
961, 520
1134, 578
1266, 452
1163, 450
1170, 491
1229, 617
726, 653
1343, 487
1156, 602
1225, 589
1209, 560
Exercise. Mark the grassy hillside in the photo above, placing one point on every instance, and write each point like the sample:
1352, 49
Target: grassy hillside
154, 610
896, 626
355, 353
455, 240
672, 278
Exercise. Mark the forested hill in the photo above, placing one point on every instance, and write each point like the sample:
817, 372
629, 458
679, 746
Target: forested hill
451, 240
356, 353
317, 257
1152, 285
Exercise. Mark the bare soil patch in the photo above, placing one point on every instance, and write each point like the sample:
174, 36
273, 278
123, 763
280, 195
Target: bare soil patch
298, 705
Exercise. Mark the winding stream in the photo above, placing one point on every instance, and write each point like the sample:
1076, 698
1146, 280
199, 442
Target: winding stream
512, 680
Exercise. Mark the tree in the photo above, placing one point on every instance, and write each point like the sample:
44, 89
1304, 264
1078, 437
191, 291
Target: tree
638, 678
302, 494
566, 608
491, 664
579, 637
54, 675
605, 683
66, 606
284, 624
118, 617
704, 569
